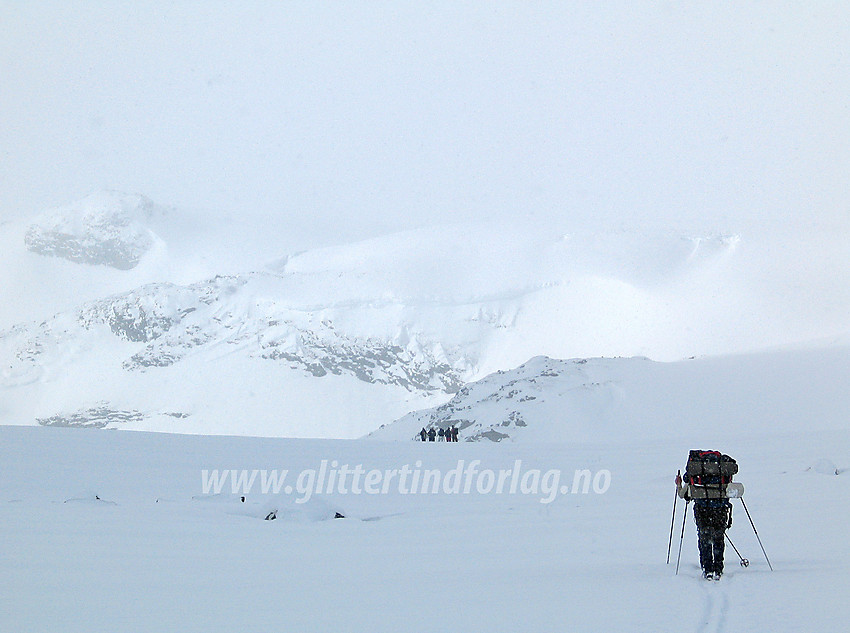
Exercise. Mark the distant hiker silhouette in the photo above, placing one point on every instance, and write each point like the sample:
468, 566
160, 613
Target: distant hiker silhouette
442, 434
423, 434
432, 434
454, 434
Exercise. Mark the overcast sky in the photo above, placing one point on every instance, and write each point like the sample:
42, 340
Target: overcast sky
359, 118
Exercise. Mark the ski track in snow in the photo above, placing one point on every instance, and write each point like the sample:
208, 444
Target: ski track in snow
715, 607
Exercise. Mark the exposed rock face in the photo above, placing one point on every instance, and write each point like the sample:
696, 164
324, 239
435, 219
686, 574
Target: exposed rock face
103, 415
369, 360
160, 324
96, 417
107, 228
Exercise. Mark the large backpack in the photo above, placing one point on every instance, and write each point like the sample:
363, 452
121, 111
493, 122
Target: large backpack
708, 474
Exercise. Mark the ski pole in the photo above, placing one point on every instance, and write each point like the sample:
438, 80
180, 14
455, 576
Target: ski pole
682, 536
673, 520
744, 561
757, 534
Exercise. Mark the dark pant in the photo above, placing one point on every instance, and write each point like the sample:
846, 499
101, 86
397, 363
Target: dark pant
711, 547
711, 529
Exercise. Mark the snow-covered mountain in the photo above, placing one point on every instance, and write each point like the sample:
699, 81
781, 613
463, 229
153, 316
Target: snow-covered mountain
112, 242
174, 323
214, 343
548, 400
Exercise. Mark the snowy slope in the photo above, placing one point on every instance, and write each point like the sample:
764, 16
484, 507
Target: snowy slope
635, 398
155, 553
664, 294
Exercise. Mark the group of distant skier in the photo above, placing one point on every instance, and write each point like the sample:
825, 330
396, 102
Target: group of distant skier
441, 435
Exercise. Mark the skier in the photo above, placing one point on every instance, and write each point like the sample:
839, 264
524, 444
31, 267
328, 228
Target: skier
713, 517
423, 434
432, 434
454, 434
442, 434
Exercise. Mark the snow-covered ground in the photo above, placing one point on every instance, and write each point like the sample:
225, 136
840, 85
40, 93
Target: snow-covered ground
154, 553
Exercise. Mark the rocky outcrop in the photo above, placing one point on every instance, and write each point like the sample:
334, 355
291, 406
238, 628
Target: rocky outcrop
106, 229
